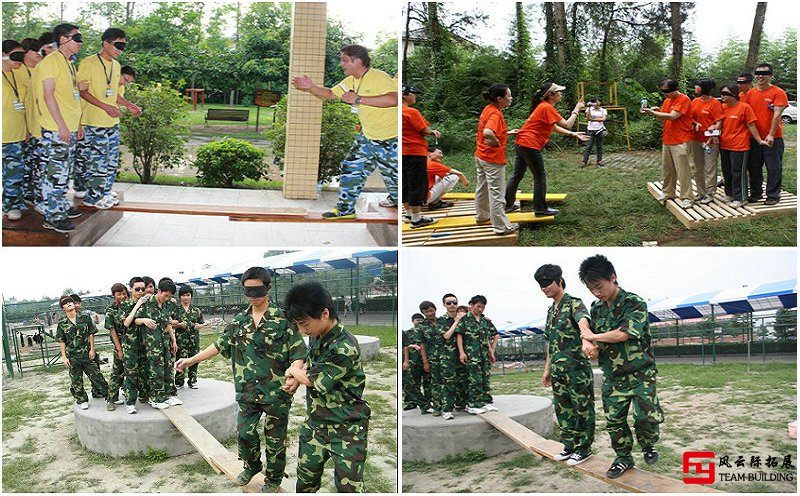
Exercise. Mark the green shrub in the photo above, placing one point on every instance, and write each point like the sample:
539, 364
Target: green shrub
338, 132
646, 133
222, 162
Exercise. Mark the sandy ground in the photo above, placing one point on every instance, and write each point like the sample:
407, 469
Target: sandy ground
719, 421
43, 454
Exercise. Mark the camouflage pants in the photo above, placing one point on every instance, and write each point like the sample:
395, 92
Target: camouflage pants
144, 369
462, 385
117, 375
573, 401
276, 421
618, 395
359, 163
57, 158
345, 444
33, 170
169, 366
188, 345
437, 389
156, 362
449, 382
76, 370
96, 161
478, 380
486, 376
13, 176
131, 348
416, 385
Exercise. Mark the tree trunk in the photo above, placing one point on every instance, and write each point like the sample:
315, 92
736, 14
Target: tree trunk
408, 35
550, 58
434, 27
755, 36
129, 6
677, 39
607, 22
560, 19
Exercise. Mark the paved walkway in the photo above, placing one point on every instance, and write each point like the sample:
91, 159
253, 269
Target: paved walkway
145, 229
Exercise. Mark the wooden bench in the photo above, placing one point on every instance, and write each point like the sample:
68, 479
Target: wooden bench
231, 115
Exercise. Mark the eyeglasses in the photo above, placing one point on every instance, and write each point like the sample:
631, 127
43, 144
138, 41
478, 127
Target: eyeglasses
451, 302
77, 38
119, 45
138, 290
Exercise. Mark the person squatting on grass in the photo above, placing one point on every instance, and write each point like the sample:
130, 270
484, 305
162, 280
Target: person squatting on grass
372, 95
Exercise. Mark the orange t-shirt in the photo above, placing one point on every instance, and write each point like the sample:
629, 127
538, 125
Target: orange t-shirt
735, 135
743, 97
706, 113
680, 130
762, 103
436, 169
414, 142
535, 133
492, 118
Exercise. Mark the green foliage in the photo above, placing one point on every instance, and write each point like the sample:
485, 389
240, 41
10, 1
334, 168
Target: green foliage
155, 455
338, 132
385, 56
646, 133
157, 138
220, 163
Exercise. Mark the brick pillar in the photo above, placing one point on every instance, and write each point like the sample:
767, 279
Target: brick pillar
304, 112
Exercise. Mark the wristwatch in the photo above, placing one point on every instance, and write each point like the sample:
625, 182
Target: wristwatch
357, 101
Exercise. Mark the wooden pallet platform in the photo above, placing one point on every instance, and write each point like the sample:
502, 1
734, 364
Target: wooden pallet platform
633, 480
469, 221
459, 236
523, 197
719, 211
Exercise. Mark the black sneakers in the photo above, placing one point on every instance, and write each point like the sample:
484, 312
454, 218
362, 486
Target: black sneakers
564, 455
578, 458
423, 221
650, 455
73, 213
617, 469
62, 226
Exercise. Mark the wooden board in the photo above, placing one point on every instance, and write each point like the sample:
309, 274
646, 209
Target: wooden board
526, 197
460, 236
469, 221
634, 480
719, 211
29, 231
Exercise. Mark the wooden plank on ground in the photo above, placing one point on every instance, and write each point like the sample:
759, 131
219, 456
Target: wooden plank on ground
469, 221
460, 236
634, 480
232, 466
526, 197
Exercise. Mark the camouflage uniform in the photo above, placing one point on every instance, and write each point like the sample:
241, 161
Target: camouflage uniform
13, 177
173, 309
416, 382
571, 375
475, 341
96, 161
57, 159
337, 417
33, 169
76, 338
359, 164
427, 333
132, 351
153, 340
188, 340
260, 356
629, 371
115, 318
453, 372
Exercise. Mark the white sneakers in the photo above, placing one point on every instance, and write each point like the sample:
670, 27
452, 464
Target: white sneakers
14, 214
85, 405
447, 415
489, 407
80, 194
131, 409
173, 401
103, 203
158, 406
475, 411
685, 203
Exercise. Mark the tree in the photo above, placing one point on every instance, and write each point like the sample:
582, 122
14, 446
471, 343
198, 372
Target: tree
521, 61
755, 36
785, 324
677, 39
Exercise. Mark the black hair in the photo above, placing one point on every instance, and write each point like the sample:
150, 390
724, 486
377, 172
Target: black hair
670, 83
134, 280
307, 300
478, 299
462, 308
118, 287
112, 34
595, 268
538, 97
448, 294
130, 71
426, 305
358, 52
165, 279
257, 273
593, 99
495, 91
9, 45
46, 38
185, 290
62, 30
148, 281
75, 298
167, 286
549, 272
764, 64
746, 75
31, 44
417, 316
733, 88
706, 85
64, 300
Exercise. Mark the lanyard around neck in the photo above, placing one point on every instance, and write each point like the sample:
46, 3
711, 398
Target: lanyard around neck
13, 85
110, 74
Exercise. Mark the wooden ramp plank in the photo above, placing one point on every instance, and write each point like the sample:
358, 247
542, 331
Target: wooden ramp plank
526, 197
634, 480
468, 221
463, 236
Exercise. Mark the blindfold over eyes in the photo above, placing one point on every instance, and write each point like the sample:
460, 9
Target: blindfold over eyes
255, 291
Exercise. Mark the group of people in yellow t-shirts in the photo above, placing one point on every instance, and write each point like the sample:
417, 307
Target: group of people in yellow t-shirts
61, 122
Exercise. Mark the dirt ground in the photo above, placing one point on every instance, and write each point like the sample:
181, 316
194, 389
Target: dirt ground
42, 454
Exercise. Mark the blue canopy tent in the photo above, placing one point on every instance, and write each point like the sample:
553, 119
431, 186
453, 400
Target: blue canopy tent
517, 332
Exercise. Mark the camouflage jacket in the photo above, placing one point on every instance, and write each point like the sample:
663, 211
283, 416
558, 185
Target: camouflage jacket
449, 348
76, 336
410, 337
337, 379
260, 355
476, 335
628, 313
115, 317
427, 333
191, 316
563, 335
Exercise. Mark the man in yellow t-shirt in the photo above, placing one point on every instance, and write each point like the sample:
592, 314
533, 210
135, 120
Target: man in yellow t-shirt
97, 157
60, 106
14, 131
27, 73
373, 96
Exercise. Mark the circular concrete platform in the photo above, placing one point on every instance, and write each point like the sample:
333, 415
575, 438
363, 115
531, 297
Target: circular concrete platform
430, 439
118, 433
369, 346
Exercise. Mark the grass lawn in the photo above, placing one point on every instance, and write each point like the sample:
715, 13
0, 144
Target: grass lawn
611, 206
166, 180
197, 117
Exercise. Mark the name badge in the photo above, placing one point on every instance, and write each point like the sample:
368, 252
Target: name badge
354, 109
109, 92
19, 106
76, 94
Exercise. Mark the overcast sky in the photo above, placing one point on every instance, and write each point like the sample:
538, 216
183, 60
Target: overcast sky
713, 21
505, 275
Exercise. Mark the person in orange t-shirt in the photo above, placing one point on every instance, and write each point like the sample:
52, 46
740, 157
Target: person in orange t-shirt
441, 180
738, 119
768, 102
415, 156
705, 112
531, 139
675, 114
744, 83
490, 160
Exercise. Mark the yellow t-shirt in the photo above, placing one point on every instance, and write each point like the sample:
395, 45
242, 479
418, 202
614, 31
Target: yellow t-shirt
59, 69
32, 114
376, 123
14, 128
92, 69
